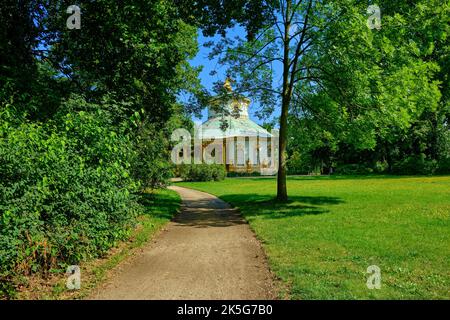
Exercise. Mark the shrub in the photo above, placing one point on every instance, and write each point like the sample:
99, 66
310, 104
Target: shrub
244, 174
444, 166
416, 164
150, 166
353, 169
296, 164
303, 163
299, 163
66, 193
381, 166
202, 172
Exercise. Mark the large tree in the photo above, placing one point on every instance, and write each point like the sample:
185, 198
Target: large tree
132, 51
382, 95
282, 42
325, 54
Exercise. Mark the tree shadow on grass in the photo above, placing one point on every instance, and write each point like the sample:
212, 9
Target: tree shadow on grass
333, 177
159, 205
348, 177
266, 207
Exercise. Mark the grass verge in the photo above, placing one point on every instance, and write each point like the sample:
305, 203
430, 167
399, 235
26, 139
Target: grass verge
160, 208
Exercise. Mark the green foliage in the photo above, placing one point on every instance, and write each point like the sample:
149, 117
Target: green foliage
215, 16
416, 165
243, 174
444, 166
66, 193
302, 163
381, 167
150, 164
133, 50
202, 172
378, 96
353, 169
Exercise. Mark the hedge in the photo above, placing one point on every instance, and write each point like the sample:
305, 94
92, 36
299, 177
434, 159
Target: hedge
66, 193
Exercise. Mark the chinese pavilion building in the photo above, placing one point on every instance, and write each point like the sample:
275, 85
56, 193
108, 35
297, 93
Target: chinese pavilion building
228, 136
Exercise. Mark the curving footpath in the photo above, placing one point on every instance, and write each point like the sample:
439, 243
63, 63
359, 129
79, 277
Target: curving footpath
207, 252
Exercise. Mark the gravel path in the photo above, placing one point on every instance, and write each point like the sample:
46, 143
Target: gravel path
207, 252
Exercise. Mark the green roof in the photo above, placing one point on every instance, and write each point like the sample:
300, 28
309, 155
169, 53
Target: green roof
240, 126
237, 127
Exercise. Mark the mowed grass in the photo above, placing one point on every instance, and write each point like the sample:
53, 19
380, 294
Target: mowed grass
321, 242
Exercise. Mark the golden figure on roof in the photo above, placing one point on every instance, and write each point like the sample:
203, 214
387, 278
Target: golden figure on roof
227, 84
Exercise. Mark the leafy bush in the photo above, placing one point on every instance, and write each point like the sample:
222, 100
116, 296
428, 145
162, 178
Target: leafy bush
353, 169
444, 166
150, 165
66, 193
417, 164
202, 172
303, 163
296, 164
381, 166
244, 174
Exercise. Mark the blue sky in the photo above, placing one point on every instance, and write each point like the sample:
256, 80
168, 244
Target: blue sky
208, 65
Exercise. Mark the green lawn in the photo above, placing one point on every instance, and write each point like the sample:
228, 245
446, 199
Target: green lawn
321, 243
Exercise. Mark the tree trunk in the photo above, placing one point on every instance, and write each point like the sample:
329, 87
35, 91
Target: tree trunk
281, 181
286, 94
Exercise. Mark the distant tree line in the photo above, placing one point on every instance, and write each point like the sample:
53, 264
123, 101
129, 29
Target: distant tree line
383, 102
